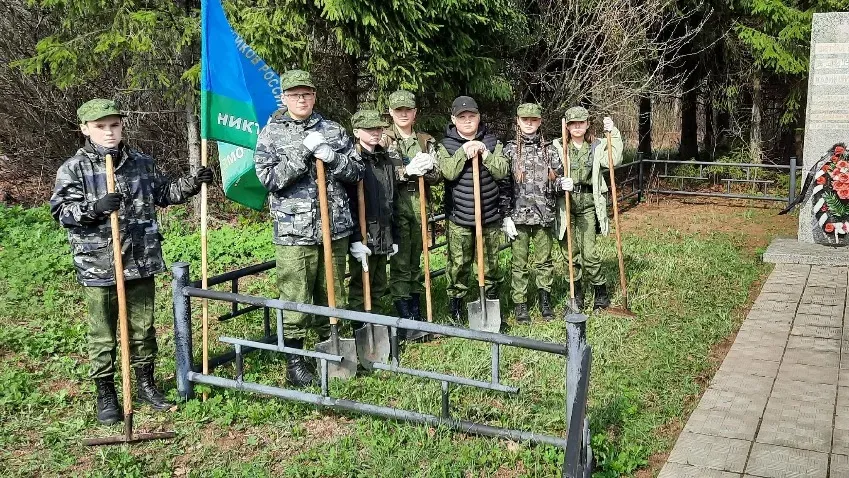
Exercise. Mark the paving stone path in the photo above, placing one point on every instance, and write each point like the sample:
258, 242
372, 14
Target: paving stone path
779, 405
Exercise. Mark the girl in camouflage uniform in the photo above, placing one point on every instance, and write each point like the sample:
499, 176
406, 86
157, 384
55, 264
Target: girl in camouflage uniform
535, 172
589, 165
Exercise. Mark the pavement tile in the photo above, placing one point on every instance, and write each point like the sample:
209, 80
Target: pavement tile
770, 461
724, 454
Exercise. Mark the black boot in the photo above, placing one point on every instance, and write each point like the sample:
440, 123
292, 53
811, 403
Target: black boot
455, 308
545, 304
146, 390
108, 410
298, 372
492, 293
414, 303
602, 301
579, 296
414, 306
521, 312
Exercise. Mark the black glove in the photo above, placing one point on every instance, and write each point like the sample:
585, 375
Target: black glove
108, 203
204, 175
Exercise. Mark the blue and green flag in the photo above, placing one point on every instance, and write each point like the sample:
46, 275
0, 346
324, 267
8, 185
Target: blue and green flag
239, 92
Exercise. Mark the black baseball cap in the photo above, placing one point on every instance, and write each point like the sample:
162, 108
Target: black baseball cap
463, 103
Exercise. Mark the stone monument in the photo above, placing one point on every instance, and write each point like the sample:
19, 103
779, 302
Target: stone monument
827, 115
826, 125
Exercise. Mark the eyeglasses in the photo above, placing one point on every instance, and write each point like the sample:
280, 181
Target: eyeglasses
301, 96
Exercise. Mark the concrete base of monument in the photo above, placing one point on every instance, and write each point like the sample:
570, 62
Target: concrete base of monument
784, 250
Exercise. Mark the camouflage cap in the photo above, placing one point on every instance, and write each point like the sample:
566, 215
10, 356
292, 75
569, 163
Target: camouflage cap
576, 113
402, 99
368, 119
529, 110
97, 108
294, 78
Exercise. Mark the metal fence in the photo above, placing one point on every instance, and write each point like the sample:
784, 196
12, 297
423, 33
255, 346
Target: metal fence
578, 454
655, 176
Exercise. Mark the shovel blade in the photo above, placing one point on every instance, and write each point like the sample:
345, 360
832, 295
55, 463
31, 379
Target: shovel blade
372, 344
121, 439
488, 320
347, 349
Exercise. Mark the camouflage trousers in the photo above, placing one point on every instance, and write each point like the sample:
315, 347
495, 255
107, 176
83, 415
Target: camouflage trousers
405, 266
102, 304
586, 259
461, 256
377, 281
300, 278
540, 238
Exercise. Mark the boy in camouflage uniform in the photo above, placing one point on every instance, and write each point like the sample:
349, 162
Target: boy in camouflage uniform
286, 152
372, 253
464, 139
418, 153
587, 186
535, 180
81, 204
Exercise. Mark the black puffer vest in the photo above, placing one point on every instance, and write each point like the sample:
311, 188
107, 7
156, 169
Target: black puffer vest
460, 193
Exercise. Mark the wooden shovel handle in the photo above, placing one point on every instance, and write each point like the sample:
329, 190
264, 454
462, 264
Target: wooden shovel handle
122, 295
361, 208
622, 283
567, 172
478, 220
425, 246
321, 179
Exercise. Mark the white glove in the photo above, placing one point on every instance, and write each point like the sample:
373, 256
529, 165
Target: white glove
509, 228
419, 165
314, 139
394, 250
324, 152
566, 184
608, 123
361, 253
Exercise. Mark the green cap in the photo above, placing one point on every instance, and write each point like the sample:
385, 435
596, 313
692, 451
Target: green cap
97, 108
529, 110
294, 78
576, 113
368, 119
402, 99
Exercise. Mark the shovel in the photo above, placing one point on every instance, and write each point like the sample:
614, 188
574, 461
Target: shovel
128, 436
484, 314
567, 172
335, 346
372, 340
418, 334
623, 311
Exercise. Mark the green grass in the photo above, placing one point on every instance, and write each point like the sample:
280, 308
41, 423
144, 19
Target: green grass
687, 290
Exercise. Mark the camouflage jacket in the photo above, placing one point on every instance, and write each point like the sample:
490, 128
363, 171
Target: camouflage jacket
81, 181
288, 171
408, 186
532, 192
381, 197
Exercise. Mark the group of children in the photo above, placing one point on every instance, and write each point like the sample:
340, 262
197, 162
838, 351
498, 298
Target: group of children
521, 183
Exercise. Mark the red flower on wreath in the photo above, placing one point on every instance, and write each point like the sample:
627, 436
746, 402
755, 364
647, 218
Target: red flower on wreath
843, 193
824, 208
829, 227
839, 150
826, 167
842, 164
821, 180
835, 158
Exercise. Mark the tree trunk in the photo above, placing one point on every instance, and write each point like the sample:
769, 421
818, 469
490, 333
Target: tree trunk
710, 134
755, 151
644, 127
689, 147
193, 140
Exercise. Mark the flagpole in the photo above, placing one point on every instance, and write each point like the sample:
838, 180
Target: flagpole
203, 263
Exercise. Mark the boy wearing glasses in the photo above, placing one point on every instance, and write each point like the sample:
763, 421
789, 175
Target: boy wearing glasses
286, 152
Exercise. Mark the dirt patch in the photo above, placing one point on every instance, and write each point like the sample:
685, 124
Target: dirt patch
753, 223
